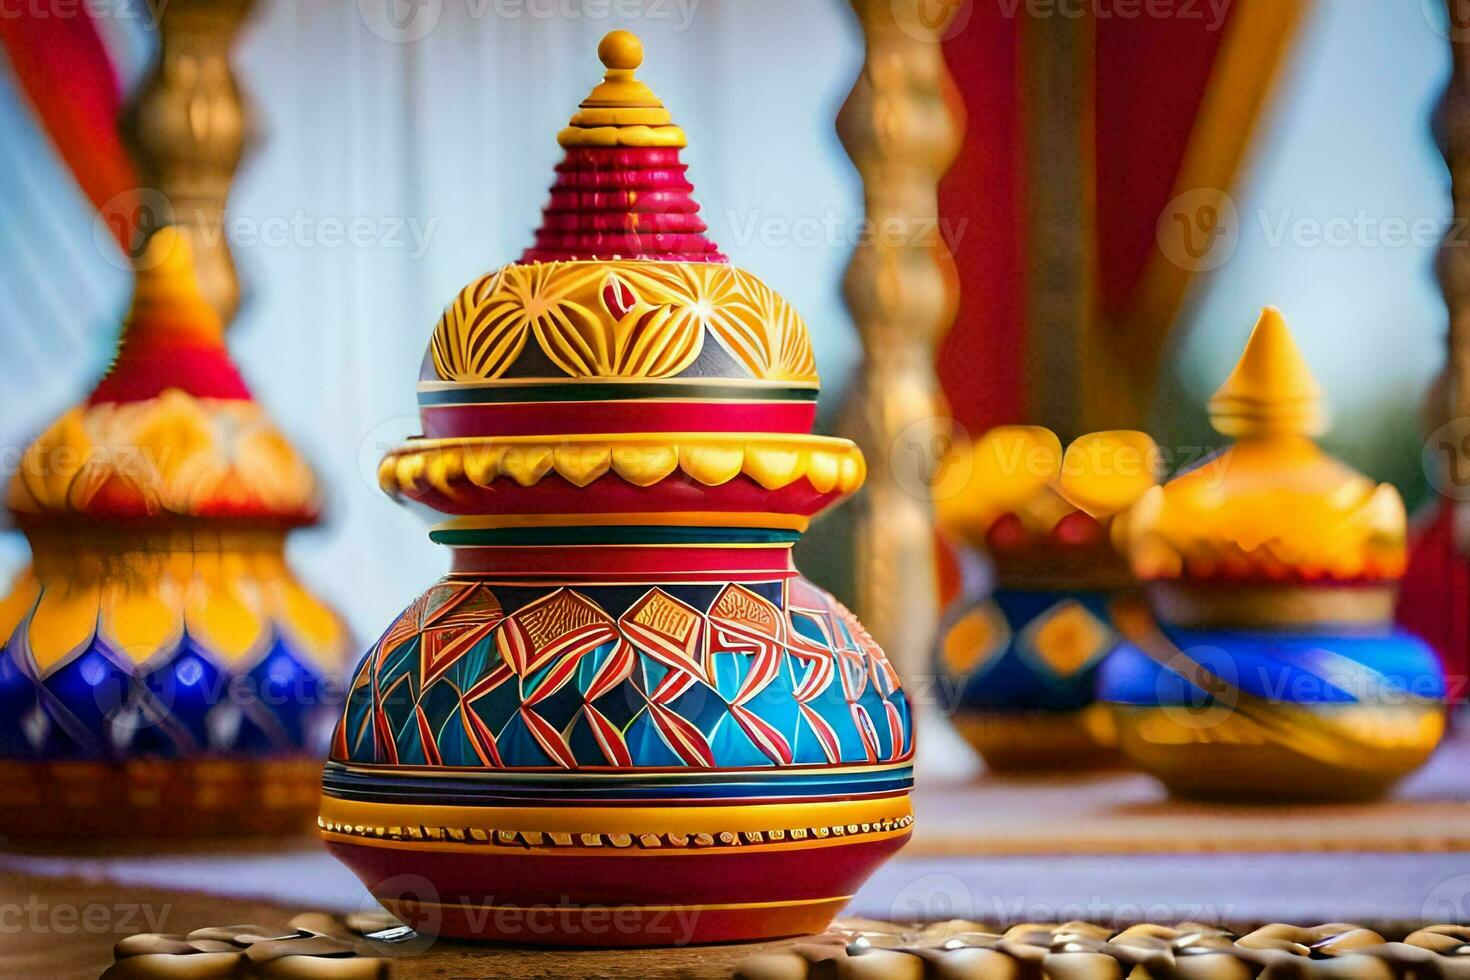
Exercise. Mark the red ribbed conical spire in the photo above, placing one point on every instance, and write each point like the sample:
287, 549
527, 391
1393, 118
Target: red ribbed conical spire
621, 191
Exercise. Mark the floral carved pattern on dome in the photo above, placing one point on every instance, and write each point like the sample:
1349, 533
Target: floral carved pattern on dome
620, 320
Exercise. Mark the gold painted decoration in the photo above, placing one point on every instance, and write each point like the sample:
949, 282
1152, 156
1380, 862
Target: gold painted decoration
477, 339
232, 592
620, 319
140, 447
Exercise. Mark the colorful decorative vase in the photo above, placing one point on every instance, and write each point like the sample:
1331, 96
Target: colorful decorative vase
623, 718
1270, 668
1020, 661
163, 671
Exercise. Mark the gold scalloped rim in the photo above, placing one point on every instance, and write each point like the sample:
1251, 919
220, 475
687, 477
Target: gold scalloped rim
641, 459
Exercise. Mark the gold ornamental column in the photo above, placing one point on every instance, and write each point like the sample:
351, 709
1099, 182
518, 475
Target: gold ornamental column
1454, 257
900, 129
187, 127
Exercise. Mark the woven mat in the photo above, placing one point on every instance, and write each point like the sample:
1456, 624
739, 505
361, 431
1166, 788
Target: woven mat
65, 928
1129, 813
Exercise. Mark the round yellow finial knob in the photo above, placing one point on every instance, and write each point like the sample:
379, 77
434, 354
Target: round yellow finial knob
621, 51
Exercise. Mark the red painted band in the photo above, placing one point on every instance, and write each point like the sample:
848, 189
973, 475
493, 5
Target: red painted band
624, 562
708, 876
557, 418
611, 494
622, 220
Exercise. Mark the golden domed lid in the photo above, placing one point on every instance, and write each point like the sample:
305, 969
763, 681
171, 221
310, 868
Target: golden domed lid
1273, 509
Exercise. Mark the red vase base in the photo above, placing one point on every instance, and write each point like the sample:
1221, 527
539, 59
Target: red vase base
621, 899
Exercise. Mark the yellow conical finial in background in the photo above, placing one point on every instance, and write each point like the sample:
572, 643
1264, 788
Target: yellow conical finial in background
622, 111
1271, 391
1273, 508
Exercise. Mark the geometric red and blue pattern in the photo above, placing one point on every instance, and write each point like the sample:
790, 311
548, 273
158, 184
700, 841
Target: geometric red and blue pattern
475, 674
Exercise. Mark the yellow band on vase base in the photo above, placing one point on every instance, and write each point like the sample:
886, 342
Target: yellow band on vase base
656, 829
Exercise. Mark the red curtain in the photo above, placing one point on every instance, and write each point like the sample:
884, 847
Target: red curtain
68, 76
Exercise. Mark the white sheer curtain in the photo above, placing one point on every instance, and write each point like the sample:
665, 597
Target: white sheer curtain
389, 174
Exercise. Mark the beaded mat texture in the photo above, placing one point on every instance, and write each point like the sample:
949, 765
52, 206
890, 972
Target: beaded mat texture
367, 947
1083, 951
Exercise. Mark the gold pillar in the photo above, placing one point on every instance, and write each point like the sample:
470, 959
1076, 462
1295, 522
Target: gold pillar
187, 126
901, 130
1454, 257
